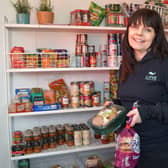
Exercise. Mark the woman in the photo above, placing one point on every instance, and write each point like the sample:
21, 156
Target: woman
144, 78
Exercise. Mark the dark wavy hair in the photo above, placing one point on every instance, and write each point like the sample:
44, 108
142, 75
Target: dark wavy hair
159, 46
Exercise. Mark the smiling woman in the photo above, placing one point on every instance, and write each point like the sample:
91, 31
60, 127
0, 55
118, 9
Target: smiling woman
144, 78
140, 38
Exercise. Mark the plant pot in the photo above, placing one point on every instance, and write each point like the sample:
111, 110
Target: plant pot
45, 17
22, 18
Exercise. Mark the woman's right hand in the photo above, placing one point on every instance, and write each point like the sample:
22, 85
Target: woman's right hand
136, 118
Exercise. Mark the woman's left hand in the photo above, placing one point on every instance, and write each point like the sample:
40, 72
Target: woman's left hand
136, 118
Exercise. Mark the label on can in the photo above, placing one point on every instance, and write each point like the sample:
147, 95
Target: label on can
77, 137
96, 99
87, 101
112, 61
74, 88
86, 137
75, 101
86, 89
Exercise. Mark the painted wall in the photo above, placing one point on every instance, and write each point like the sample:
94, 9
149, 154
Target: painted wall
62, 10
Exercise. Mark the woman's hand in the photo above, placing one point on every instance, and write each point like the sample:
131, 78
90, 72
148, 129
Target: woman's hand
136, 118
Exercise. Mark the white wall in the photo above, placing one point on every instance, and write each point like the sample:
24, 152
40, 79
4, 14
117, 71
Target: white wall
62, 10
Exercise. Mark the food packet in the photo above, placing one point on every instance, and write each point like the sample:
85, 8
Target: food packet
97, 13
127, 148
107, 114
60, 87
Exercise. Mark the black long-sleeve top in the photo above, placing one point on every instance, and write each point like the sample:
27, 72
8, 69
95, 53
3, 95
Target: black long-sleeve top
149, 85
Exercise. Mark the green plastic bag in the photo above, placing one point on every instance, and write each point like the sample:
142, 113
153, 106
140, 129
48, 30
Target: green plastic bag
97, 13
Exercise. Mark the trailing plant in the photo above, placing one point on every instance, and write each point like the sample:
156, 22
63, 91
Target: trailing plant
21, 6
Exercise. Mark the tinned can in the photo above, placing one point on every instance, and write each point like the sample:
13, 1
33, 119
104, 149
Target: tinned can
96, 99
92, 87
69, 135
60, 134
87, 101
74, 88
82, 100
83, 39
78, 60
65, 101
86, 134
93, 60
112, 61
81, 87
78, 49
17, 137
77, 136
86, 88
75, 101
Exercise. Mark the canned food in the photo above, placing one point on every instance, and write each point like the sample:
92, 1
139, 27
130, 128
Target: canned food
112, 61
82, 99
104, 139
96, 99
81, 87
93, 60
87, 101
92, 87
86, 88
77, 137
86, 136
75, 101
65, 101
61, 134
74, 88
83, 39
17, 137
69, 135
106, 86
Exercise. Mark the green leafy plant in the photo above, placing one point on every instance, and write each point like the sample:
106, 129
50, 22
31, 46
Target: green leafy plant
45, 5
21, 6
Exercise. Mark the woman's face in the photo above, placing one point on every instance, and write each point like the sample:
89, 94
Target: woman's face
140, 37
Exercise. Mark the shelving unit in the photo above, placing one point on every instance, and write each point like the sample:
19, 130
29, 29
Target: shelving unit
95, 145
29, 77
62, 69
26, 73
53, 112
71, 28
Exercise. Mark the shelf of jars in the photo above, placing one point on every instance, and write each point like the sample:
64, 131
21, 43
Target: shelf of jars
60, 111
64, 149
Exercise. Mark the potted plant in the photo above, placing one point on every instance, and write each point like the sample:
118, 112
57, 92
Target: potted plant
45, 14
23, 11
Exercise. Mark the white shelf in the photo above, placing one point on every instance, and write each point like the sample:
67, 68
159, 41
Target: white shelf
62, 111
64, 149
62, 69
71, 28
